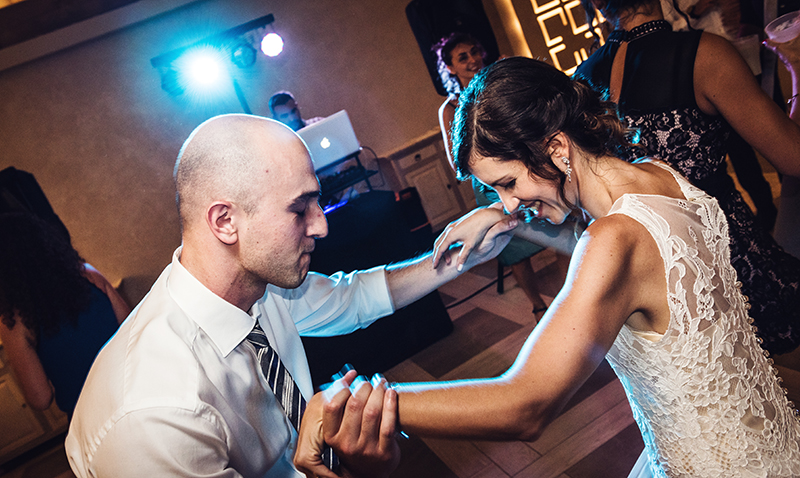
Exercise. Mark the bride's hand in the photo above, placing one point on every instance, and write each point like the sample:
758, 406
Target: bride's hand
482, 234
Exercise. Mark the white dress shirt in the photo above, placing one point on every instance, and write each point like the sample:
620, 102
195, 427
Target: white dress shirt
177, 391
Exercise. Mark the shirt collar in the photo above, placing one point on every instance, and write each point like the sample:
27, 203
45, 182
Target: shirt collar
224, 323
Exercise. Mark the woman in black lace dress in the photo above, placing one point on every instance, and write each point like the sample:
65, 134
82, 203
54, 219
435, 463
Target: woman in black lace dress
684, 91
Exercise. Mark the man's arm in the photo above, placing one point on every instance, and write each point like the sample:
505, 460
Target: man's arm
155, 442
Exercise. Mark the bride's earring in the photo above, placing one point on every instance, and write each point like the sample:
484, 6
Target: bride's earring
568, 171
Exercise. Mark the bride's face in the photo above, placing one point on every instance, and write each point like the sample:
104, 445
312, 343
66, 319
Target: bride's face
517, 186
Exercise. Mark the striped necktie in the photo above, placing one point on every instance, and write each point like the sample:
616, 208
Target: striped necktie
282, 384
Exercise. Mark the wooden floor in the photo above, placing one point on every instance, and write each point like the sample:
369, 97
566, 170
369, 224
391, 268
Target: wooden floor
595, 436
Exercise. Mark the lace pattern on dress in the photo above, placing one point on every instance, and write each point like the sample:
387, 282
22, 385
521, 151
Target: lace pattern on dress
705, 397
695, 144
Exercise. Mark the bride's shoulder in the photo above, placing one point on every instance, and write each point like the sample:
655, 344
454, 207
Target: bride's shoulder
614, 233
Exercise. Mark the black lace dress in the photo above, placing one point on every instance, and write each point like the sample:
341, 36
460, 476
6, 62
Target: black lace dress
657, 97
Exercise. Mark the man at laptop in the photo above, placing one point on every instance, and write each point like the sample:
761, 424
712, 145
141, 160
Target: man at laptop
283, 108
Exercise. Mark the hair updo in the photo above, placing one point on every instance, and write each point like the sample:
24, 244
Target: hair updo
513, 108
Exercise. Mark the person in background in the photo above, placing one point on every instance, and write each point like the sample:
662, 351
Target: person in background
722, 17
459, 57
56, 311
650, 288
283, 107
684, 91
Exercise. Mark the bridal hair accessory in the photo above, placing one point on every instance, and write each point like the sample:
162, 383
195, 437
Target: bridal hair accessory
528, 214
568, 171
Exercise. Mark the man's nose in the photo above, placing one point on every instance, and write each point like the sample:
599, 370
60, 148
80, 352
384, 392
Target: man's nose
318, 224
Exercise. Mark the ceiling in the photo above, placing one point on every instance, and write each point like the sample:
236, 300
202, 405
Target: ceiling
22, 20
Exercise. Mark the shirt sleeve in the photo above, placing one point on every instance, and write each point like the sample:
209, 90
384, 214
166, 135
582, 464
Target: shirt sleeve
340, 303
163, 441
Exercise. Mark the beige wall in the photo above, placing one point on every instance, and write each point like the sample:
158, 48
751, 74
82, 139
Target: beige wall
93, 125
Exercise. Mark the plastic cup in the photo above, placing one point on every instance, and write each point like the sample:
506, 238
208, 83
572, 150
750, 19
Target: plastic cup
784, 28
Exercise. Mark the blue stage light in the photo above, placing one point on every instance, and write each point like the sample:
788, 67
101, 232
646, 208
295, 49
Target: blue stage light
272, 44
202, 68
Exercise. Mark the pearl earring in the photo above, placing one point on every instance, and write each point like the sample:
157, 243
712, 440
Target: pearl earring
568, 171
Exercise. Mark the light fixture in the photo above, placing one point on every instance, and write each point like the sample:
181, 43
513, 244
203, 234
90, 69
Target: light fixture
184, 68
243, 55
272, 44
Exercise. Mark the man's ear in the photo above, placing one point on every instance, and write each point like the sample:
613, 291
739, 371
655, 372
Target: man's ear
220, 220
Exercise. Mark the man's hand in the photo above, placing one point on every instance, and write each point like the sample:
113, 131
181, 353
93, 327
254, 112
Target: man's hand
357, 419
311, 439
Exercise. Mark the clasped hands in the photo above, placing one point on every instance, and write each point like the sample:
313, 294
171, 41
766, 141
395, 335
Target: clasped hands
356, 418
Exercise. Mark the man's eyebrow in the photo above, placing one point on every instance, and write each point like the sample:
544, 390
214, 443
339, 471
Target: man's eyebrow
305, 197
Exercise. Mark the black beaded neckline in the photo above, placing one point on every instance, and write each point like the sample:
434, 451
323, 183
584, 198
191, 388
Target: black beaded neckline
640, 31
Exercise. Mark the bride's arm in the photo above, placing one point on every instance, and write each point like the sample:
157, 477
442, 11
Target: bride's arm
561, 237
471, 230
614, 273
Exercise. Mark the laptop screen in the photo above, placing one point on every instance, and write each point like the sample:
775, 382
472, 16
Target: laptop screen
330, 140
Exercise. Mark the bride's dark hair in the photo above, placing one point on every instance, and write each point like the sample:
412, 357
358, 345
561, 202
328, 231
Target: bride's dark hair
513, 108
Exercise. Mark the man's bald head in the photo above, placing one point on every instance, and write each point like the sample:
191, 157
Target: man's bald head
222, 156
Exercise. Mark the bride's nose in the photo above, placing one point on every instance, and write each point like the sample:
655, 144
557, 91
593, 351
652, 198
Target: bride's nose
510, 203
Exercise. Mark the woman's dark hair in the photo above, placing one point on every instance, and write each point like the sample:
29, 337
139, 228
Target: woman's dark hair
41, 276
444, 58
512, 109
612, 9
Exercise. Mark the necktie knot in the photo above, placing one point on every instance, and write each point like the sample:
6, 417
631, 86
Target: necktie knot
257, 336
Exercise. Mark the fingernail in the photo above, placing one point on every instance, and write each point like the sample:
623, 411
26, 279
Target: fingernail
376, 380
345, 368
357, 384
331, 389
460, 266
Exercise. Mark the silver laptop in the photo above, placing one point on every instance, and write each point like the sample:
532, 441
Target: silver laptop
330, 139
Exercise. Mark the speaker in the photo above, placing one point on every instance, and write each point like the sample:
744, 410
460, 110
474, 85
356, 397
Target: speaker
432, 20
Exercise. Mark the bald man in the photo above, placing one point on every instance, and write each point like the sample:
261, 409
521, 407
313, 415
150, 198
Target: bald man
178, 390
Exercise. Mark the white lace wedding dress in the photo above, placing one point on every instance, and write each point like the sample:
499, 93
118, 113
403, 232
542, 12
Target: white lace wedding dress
705, 396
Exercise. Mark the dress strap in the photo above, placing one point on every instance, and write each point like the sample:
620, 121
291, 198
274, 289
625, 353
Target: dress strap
640, 31
690, 191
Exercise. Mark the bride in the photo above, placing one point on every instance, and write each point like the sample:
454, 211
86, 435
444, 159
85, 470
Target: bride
650, 288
